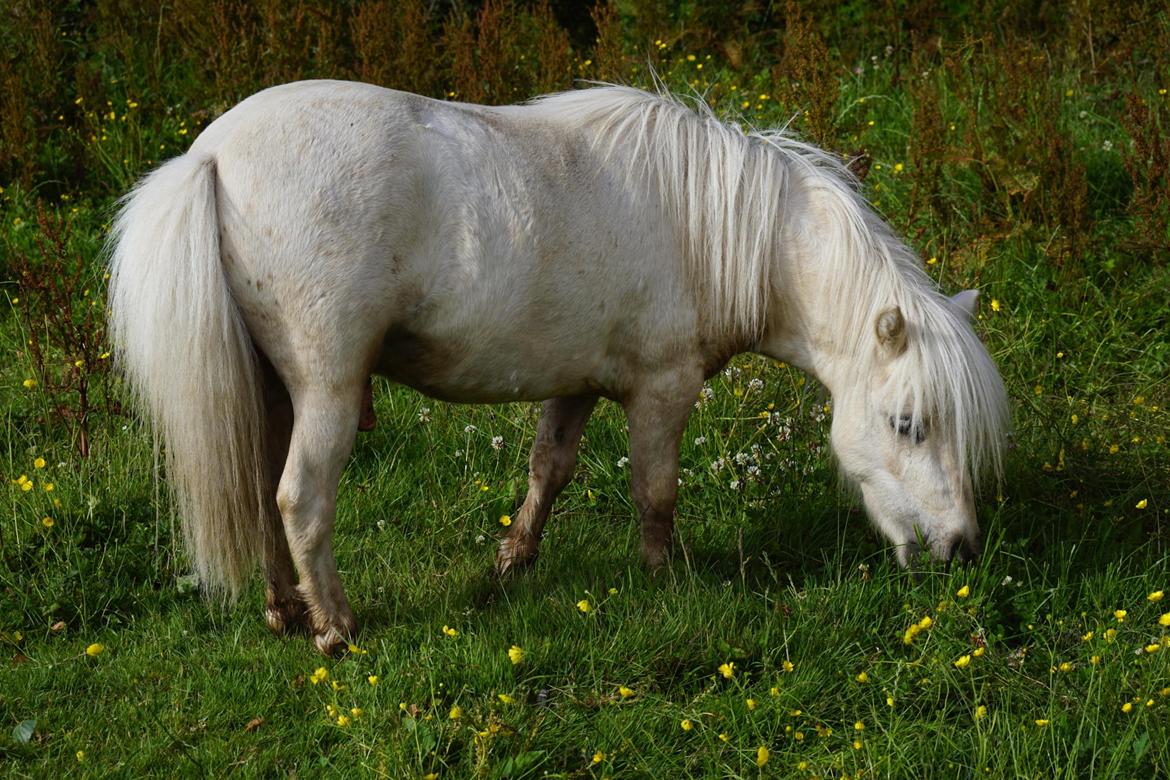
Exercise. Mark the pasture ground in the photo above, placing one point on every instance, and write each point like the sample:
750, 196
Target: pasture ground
1028, 158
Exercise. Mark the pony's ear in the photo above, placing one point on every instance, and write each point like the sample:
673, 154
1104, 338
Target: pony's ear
890, 328
967, 301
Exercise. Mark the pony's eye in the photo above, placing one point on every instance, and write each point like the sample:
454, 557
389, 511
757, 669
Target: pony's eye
904, 426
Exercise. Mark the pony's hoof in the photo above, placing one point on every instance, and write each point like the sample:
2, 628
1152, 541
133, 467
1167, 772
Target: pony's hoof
330, 643
655, 560
515, 556
285, 618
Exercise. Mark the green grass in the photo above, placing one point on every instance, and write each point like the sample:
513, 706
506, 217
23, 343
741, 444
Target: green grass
782, 569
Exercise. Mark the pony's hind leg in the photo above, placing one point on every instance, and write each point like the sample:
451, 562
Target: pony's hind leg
657, 413
285, 610
323, 432
550, 467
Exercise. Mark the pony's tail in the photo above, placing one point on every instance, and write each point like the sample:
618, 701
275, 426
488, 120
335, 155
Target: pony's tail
190, 364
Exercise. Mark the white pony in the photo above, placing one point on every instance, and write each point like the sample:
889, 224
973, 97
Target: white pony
600, 242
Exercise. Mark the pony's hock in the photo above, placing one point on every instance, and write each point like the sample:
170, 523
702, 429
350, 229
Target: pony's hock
601, 242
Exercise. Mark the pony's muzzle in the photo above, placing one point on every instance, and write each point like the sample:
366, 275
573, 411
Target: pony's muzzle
959, 549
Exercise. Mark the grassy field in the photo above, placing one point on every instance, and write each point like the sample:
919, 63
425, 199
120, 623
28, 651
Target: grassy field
1025, 156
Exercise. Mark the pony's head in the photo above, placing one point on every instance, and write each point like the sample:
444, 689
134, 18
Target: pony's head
919, 423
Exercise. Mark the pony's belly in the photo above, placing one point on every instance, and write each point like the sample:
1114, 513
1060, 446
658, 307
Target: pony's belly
463, 373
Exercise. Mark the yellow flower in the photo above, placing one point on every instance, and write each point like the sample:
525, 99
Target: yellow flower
94, 650
787, 666
725, 737
372, 679
319, 675
859, 726
995, 304
762, 755
1120, 615
450, 631
505, 698
585, 606
598, 757
925, 623
337, 686
686, 725
48, 522
1165, 619
431, 776
857, 744
862, 677
963, 592
773, 691
751, 704
963, 662
343, 720
355, 650
625, 692
1153, 648
29, 383
1095, 660
978, 652
1155, 596
1141, 504
980, 712
1087, 636
1042, 722
889, 701
505, 520
1127, 708
1110, 633
1065, 666
48, 486
39, 463
80, 756
727, 669
356, 712
898, 167
456, 712
516, 655
27, 485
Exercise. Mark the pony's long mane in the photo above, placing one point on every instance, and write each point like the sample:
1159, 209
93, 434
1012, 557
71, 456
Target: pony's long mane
727, 189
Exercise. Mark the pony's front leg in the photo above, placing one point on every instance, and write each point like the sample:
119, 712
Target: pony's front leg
324, 428
550, 467
657, 413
